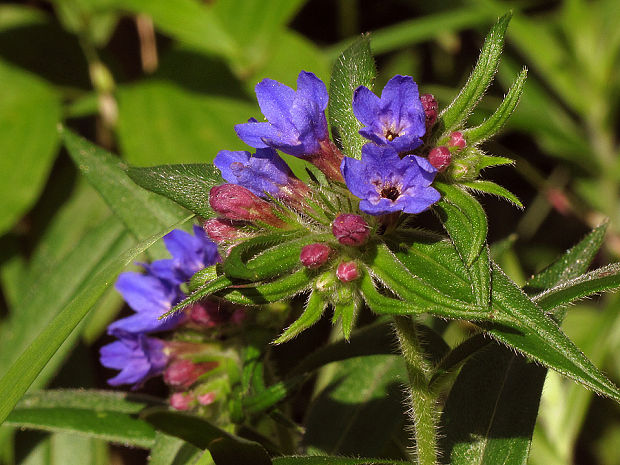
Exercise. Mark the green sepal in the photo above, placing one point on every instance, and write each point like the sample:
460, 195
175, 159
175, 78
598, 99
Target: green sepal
486, 161
347, 312
467, 99
311, 314
282, 288
354, 67
202, 277
202, 292
489, 187
188, 185
464, 220
268, 255
496, 121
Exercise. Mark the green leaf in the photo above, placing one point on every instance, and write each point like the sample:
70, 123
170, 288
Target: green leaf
354, 67
539, 337
298, 460
594, 282
29, 113
97, 414
311, 314
24, 371
187, 185
496, 121
360, 410
460, 108
496, 424
142, 212
168, 450
225, 448
282, 288
464, 220
489, 187
572, 264
487, 161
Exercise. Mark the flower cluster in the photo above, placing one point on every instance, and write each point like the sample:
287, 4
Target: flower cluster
137, 353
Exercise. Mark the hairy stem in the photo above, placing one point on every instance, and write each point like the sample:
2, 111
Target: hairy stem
423, 401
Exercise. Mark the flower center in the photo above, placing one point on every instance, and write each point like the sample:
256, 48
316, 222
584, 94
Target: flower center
390, 192
391, 135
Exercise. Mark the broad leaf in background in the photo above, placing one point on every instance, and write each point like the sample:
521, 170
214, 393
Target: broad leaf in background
62, 448
168, 450
29, 113
24, 371
354, 67
187, 185
334, 461
97, 414
361, 410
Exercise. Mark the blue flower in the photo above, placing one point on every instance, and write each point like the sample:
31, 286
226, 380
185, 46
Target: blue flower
296, 119
150, 296
261, 172
396, 119
385, 183
189, 255
137, 356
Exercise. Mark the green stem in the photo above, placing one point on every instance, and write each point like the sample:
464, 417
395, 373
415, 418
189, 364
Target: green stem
424, 411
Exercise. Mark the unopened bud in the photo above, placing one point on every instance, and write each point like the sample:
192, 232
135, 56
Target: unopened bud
457, 140
182, 401
234, 202
221, 230
347, 272
429, 103
440, 158
314, 255
183, 373
206, 399
350, 229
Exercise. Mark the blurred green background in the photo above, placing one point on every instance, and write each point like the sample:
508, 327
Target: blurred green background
164, 81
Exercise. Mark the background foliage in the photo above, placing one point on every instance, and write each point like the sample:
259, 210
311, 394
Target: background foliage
164, 81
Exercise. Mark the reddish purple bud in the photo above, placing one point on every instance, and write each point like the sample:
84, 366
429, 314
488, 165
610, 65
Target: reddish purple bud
440, 158
221, 230
206, 314
183, 373
182, 401
429, 103
206, 399
457, 140
234, 202
347, 271
314, 255
350, 229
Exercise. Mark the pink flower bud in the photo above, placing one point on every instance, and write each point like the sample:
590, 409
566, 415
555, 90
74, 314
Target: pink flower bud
429, 103
206, 399
205, 314
440, 158
347, 271
234, 202
350, 229
314, 255
457, 140
221, 230
182, 401
183, 373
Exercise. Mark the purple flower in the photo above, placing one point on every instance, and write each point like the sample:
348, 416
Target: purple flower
189, 255
137, 356
261, 172
396, 119
150, 296
385, 183
297, 123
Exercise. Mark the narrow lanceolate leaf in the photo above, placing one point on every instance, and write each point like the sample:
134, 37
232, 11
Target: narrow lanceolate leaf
539, 337
312, 313
211, 287
594, 282
497, 120
225, 448
460, 108
572, 264
495, 425
97, 414
464, 220
187, 185
24, 371
354, 67
487, 160
489, 187
142, 212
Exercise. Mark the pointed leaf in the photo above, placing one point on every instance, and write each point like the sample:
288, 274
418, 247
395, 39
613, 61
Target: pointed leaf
27, 367
460, 108
354, 67
487, 160
187, 185
313, 311
211, 287
464, 220
489, 187
282, 288
496, 121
